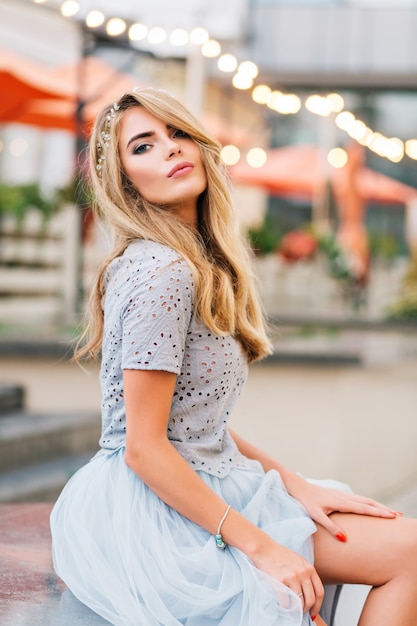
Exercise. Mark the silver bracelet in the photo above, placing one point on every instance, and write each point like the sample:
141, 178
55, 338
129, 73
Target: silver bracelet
220, 543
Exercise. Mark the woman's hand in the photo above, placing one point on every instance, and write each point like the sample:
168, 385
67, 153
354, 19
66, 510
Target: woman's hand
293, 571
320, 502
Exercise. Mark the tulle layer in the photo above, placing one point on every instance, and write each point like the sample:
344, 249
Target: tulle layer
137, 562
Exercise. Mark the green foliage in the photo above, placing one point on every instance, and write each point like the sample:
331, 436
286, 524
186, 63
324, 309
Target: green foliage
265, 238
384, 247
77, 192
16, 200
337, 262
338, 267
406, 306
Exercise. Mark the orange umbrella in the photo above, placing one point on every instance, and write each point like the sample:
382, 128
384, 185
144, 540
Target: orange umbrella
22, 81
48, 97
95, 83
351, 202
298, 171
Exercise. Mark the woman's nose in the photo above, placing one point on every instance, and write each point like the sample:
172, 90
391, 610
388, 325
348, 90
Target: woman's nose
173, 147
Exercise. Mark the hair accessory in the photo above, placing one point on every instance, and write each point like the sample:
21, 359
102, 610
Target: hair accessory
105, 136
220, 543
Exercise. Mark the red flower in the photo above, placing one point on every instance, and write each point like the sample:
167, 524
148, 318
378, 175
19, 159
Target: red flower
297, 245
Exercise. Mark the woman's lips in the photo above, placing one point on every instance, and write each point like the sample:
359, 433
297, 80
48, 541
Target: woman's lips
181, 169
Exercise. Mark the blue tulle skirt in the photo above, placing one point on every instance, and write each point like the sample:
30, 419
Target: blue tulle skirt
136, 562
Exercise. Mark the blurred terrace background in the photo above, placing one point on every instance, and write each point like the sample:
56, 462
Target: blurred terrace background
315, 106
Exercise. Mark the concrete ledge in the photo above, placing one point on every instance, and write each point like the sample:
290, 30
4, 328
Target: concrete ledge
41, 481
314, 358
37, 348
31, 594
26, 438
344, 323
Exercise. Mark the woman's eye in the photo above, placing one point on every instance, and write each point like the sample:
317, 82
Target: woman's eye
144, 147
180, 133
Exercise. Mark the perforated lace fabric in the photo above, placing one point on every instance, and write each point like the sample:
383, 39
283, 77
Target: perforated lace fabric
150, 324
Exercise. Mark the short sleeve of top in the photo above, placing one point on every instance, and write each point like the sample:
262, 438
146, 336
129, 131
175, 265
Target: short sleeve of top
150, 288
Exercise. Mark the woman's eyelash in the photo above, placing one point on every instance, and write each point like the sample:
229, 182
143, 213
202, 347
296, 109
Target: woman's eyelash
142, 148
180, 133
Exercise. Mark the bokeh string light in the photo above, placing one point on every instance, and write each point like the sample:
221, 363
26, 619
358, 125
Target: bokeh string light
244, 75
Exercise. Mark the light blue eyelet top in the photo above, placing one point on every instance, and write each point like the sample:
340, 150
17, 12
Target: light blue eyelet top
149, 324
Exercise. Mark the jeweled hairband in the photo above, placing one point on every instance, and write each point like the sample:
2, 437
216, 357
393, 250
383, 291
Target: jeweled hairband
105, 133
105, 136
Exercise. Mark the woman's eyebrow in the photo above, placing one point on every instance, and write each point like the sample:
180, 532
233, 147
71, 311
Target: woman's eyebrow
149, 133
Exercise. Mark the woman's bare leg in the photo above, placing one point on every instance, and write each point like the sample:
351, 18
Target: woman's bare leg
378, 552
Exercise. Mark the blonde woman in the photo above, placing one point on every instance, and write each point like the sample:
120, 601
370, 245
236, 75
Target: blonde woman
177, 520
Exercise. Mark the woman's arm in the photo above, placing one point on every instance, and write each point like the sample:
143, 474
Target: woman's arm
318, 501
148, 397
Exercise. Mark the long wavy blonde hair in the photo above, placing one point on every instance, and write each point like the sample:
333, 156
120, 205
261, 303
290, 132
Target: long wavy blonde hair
226, 298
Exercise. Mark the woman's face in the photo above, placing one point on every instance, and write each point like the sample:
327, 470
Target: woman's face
163, 163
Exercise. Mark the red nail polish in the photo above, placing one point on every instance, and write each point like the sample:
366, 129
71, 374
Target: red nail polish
313, 618
341, 536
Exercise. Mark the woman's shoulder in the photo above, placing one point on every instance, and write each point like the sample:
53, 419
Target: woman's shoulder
142, 253
144, 258
152, 250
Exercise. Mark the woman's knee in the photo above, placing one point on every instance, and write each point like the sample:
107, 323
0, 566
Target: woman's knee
403, 548
376, 550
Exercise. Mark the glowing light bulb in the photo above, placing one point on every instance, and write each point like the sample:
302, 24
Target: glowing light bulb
337, 157
273, 99
94, 19
137, 32
199, 36
69, 8
256, 157
336, 101
242, 82
345, 120
357, 130
249, 69
395, 149
411, 148
288, 104
115, 26
284, 103
179, 37
379, 144
227, 63
211, 49
156, 35
318, 105
261, 94
230, 154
